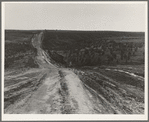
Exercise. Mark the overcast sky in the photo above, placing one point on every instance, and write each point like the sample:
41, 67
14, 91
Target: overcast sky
76, 16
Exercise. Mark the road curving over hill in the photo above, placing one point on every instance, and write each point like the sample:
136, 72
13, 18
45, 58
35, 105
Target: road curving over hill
50, 89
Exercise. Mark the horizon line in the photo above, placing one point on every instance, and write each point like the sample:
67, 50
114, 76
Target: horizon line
72, 30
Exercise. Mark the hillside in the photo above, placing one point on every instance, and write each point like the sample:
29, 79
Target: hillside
80, 48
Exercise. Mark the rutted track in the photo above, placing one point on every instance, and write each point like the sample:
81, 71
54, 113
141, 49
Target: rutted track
56, 90
122, 98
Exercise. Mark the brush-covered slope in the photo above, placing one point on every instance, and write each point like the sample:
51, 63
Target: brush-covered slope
83, 48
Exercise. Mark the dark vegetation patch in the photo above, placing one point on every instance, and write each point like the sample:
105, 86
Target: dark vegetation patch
90, 48
19, 52
19, 36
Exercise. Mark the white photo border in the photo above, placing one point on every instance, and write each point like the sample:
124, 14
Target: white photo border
69, 117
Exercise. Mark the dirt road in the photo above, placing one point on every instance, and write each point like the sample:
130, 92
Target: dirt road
61, 90
52, 90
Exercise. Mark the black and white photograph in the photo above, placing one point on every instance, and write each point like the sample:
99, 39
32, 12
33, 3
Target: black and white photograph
74, 60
